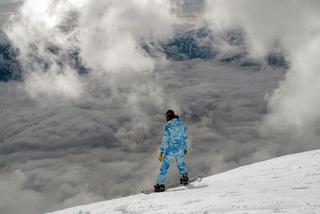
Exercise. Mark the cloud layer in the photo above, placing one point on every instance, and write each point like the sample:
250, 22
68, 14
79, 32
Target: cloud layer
93, 149
292, 28
95, 136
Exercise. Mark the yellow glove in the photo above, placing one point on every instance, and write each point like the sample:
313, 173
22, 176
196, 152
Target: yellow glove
160, 156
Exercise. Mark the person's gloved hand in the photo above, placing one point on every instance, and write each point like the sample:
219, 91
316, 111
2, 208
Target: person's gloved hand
185, 152
160, 156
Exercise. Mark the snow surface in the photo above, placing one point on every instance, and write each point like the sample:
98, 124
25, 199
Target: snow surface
288, 184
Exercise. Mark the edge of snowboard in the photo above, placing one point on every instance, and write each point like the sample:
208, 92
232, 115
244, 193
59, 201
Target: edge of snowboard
171, 186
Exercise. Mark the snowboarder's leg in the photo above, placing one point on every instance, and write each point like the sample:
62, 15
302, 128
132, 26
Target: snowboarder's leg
183, 171
162, 177
181, 164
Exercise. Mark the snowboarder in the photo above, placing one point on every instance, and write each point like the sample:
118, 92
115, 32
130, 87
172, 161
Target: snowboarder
174, 145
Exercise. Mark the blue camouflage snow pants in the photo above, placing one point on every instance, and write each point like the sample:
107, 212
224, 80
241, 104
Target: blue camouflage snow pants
162, 177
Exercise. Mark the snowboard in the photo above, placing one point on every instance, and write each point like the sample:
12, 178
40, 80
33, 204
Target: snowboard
174, 185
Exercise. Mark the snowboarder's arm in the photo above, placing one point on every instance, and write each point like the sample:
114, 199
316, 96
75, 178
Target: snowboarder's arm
185, 137
165, 139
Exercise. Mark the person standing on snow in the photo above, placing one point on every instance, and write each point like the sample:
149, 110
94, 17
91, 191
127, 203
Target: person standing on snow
174, 145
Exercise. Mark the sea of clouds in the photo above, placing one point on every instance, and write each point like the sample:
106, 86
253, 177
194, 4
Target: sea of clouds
69, 138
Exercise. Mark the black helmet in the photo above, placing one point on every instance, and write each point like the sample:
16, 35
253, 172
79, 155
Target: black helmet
170, 115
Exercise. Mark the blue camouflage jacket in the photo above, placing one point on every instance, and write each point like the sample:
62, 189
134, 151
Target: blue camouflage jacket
175, 137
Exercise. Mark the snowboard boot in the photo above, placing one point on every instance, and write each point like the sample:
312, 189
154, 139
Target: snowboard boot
184, 179
159, 188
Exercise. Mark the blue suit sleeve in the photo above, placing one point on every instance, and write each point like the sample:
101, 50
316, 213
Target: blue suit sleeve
185, 136
165, 139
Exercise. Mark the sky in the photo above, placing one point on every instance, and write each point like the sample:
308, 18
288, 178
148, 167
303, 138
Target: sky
68, 139
7, 7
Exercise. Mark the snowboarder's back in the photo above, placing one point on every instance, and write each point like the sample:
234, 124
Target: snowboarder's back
174, 137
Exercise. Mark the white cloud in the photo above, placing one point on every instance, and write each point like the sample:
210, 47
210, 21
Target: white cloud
291, 27
109, 36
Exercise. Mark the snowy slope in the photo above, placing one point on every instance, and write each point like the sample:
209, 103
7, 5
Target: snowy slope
288, 184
